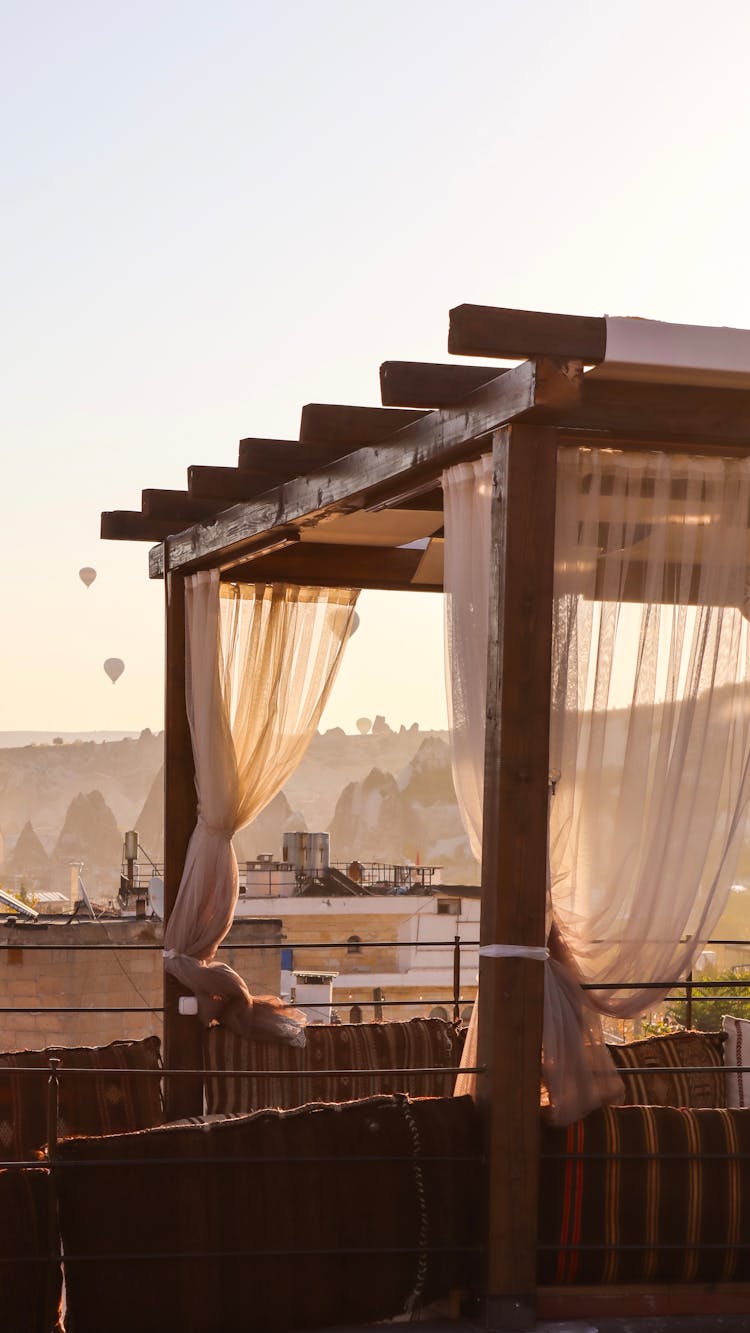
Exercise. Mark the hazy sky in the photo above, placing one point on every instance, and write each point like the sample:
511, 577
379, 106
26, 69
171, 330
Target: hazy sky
213, 214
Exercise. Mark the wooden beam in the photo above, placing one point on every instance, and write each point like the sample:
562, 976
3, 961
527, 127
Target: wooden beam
179, 507
514, 858
335, 423
336, 566
484, 330
285, 458
424, 384
672, 415
428, 445
182, 1034
227, 485
131, 525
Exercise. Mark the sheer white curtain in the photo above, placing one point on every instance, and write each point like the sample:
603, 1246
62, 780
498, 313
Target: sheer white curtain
650, 730
260, 664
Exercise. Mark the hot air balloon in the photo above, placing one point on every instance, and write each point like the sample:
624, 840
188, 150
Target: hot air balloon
87, 575
114, 668
363, 725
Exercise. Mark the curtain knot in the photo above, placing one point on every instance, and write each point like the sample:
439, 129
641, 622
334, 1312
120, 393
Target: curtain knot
218, 829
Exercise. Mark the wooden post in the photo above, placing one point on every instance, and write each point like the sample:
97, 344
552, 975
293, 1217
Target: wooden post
514, 860
182, 1034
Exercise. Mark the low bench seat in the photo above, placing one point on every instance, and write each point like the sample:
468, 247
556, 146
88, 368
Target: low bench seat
420, 1043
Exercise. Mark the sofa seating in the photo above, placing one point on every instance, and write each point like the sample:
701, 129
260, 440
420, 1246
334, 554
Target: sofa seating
90, 1104
421, 1043
277, 1220
626, 1198
30, 1282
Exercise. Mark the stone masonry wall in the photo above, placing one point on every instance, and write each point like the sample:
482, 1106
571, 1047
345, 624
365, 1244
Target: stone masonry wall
40, 970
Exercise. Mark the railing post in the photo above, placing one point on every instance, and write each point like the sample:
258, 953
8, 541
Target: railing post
456, 979
514, 860
182, 1033
53, 1229
689, 1000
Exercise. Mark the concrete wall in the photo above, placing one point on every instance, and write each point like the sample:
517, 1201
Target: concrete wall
40, 969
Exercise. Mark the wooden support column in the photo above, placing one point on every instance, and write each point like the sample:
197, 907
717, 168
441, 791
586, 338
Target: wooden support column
514, 860
182, 1034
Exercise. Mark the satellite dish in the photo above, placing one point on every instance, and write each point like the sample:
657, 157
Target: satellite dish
87, 575
355, 624
156, 895
363, 725
114, 667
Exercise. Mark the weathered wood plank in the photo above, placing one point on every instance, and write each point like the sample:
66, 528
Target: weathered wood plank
131, 525
336, 566
426, 447
483, 330
182, 1034
514, 853
285, 458
177, 506
228, 483
337, 423
424, 384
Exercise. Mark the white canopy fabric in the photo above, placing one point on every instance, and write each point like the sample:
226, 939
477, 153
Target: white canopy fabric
651, 351
650, 729
260, 663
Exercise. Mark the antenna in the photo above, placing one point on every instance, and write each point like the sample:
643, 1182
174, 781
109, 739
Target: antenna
86, 899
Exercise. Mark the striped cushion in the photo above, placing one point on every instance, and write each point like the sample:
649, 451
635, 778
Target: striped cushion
279, 1220
421, 1043
103, 1104
678, 1051
627, 1181
29, 1284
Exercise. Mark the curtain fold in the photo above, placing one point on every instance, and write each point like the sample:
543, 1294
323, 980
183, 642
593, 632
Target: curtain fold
260, 664
650, 728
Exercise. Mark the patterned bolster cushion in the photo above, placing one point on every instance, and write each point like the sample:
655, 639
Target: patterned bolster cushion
30, 1283
421, 1043
278, 1220
88, 1104
677, 1052
628, 1180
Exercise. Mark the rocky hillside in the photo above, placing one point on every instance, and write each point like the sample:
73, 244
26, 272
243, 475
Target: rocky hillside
410, 817
38, 782
383, 795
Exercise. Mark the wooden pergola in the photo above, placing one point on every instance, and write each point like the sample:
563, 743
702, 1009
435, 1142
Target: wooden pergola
344, 505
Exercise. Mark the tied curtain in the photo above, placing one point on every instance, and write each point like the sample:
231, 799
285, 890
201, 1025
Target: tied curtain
649, 732
260, 663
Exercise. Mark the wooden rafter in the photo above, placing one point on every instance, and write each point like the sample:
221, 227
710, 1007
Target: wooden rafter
427, 445
286, 458
425, 384
337, 423
176, 505
484, 330
131, 525
382, 567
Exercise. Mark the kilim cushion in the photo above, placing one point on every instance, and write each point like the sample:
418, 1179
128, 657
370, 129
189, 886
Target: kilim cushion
88, 1104
625, 1197
422, 1043
737, 1052
678, 1051
29, 1282
278, 1220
